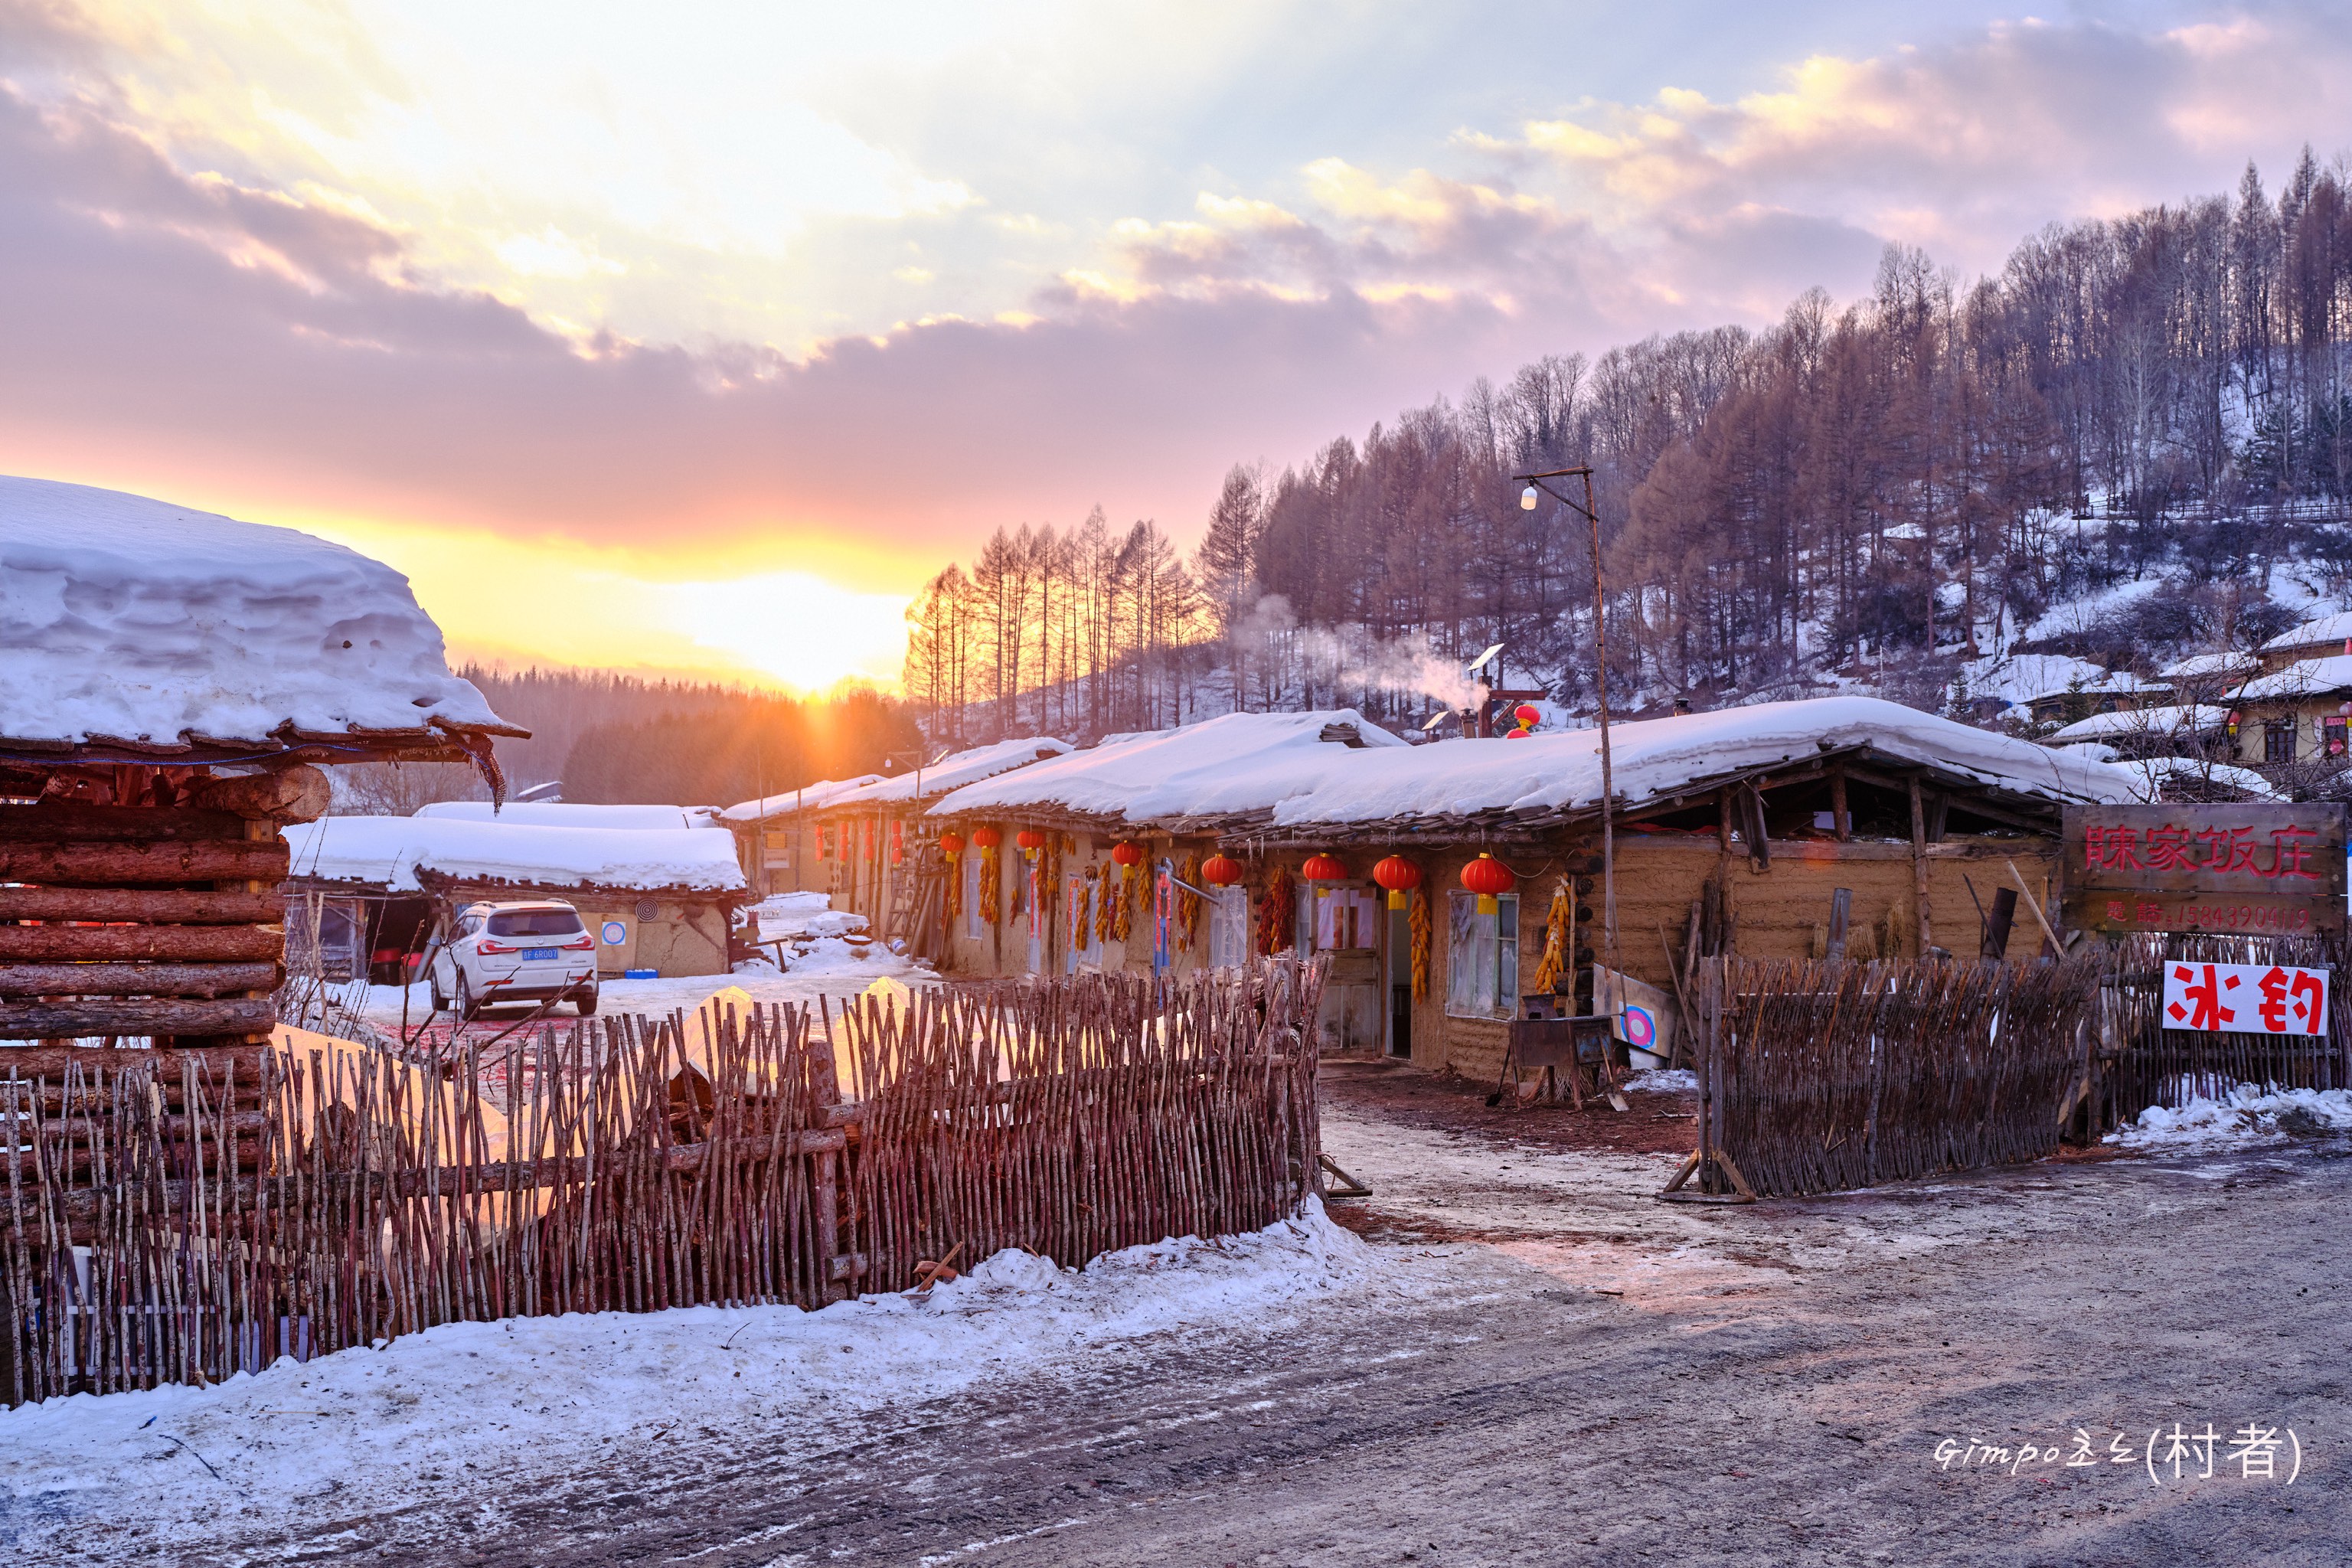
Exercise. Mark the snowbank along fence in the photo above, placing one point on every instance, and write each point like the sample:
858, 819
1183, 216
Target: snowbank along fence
2138, 1062
183, 1214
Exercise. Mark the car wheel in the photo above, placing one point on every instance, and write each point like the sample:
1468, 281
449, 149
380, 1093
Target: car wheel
468, 1008
586, 1000
440, 1003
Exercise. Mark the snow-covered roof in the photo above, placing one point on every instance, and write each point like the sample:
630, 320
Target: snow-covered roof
2188, 773
2206, 666
1271, 766
2305, 677
1237, 762
951, 773
564, 813
133, 625
1657, 757
389, 852
807, 798
2176, 720
2336, 628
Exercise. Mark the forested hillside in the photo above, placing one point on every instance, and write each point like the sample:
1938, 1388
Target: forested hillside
2135, 440
622, 739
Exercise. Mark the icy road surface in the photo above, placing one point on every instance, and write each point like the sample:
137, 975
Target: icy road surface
1526, 1360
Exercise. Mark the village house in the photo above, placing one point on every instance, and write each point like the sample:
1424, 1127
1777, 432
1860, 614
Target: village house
775, 837
1435, 875
2296, 713
176, 681
657, 898
2327, 634
862, 843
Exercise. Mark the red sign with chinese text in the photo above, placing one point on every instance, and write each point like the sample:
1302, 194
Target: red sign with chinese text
2245, 998
2257, 870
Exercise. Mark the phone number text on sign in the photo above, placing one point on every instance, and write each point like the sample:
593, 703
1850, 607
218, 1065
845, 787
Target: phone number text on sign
2245, 998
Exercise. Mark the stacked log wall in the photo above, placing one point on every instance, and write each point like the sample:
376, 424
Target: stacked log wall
139, 922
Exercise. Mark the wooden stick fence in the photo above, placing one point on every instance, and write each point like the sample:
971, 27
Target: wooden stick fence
1818, 1076
175, 1217
2141, 1063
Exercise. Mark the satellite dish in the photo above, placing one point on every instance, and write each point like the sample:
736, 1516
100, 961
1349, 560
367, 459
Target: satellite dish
1480, 663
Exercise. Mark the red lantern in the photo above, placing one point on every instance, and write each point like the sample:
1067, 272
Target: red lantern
1489, 879
1517, 734
1220, 870
1031, 840
1399, 875
1528, 714
951, 844
1322, 869
986, 840
1127, 853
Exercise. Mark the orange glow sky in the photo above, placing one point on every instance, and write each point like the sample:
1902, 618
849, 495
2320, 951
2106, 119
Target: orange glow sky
695, 339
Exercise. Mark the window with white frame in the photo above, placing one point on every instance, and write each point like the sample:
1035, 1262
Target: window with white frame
1229, 929
1482, 958
974, 926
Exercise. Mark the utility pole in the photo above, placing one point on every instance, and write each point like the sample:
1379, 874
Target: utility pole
1535, 483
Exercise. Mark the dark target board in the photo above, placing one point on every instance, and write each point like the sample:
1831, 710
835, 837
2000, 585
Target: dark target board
2245, 870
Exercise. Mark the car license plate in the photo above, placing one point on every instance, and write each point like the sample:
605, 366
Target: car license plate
533, 954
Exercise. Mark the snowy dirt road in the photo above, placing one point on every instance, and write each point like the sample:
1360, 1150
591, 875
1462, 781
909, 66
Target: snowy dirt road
1533, 1362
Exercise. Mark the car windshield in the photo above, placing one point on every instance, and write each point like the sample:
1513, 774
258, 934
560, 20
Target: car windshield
535, 923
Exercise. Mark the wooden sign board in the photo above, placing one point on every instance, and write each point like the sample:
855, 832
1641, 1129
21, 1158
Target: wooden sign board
2251, 870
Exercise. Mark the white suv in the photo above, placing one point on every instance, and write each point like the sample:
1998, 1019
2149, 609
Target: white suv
494, 954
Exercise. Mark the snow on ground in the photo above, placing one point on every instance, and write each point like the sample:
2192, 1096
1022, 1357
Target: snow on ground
1664, 1081
546, 1396
389, 851
2248, 1116
796, 917
135, 618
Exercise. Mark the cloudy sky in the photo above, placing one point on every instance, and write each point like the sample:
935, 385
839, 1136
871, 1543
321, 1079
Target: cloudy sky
696, 336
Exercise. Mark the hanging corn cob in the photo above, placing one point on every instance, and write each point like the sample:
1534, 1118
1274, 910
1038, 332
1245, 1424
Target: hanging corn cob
1419, 921
1558, 932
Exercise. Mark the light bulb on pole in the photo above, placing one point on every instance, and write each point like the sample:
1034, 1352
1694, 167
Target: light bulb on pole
1528, 499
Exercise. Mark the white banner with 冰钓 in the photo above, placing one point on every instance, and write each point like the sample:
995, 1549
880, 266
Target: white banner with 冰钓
2245, 998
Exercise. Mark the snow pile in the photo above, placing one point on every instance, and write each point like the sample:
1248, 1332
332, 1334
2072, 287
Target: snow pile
1236, 763
807, 798
2209, 667
436, 1418
2246, 1116
951, 773
562, 813
389, 851
125, 617
1664, 1081
2183, 721
798, 917
2018, 679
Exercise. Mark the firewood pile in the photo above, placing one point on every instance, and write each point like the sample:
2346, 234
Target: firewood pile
178, 1215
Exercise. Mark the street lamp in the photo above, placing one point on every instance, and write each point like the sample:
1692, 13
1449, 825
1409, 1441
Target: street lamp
1537, 483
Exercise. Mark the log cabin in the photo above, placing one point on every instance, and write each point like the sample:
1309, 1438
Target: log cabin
177, 682
1734, 832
